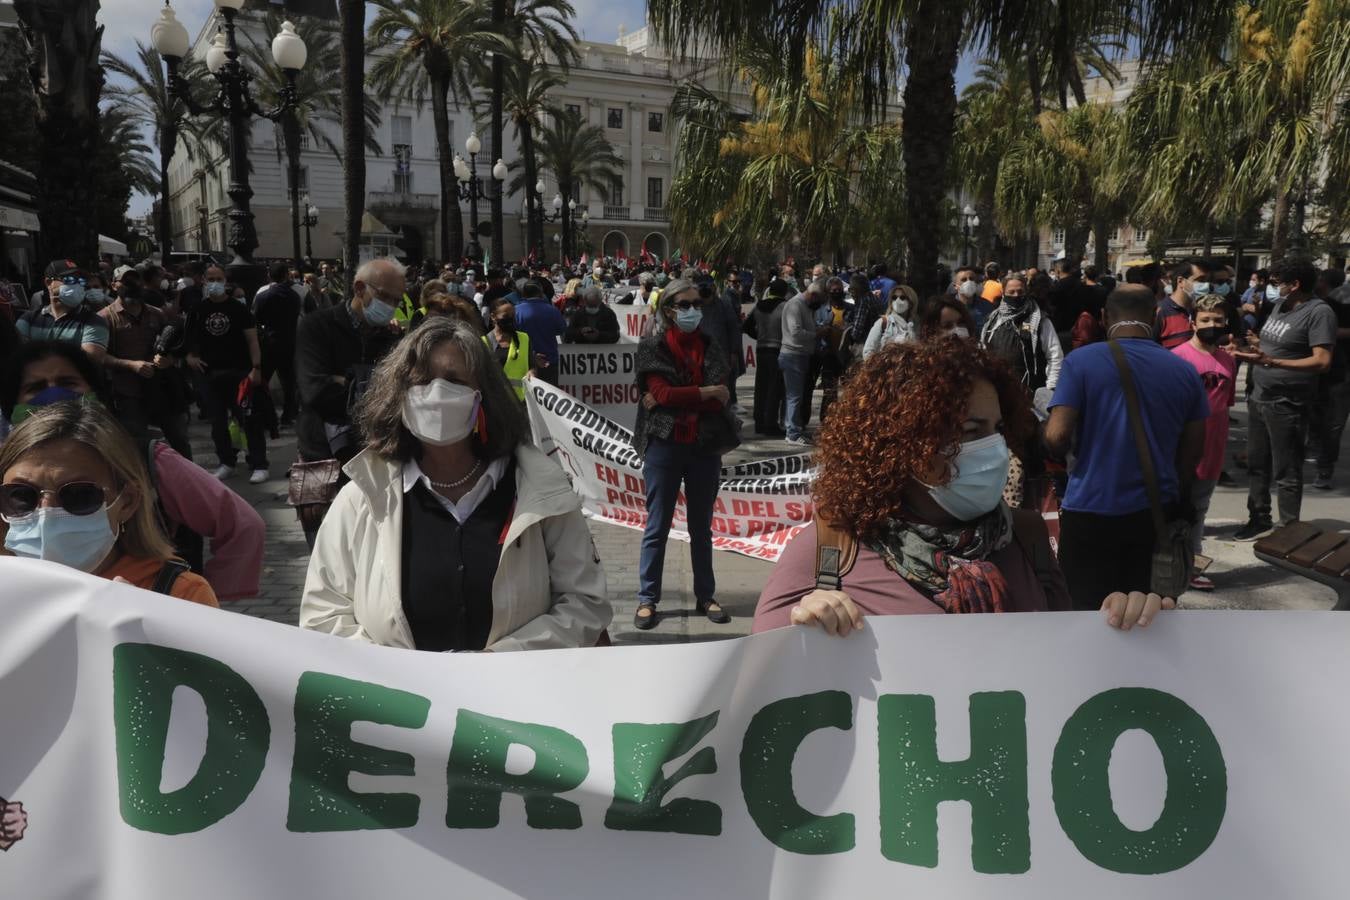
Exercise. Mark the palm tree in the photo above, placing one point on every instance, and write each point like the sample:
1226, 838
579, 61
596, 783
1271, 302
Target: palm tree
927, 36
124, 165
318, 99
578, 155
525, 99
426, 44
352, 57
537, 30
146, 99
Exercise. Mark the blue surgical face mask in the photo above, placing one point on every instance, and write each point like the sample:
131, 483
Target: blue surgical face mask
688, 320
214, 288
1200, 288
95, 295
378, 313
45, 397
979, 476
1272, 292
1223, 289
49, 532
72, 295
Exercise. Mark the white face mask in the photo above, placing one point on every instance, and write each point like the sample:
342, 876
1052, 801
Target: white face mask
968, 289
900, 306
441, 413
959, 332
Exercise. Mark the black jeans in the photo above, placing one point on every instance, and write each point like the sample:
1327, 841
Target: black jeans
1335, 410
278, 358
1103, 554
222, 391
1276, 432
768, 392
137, 414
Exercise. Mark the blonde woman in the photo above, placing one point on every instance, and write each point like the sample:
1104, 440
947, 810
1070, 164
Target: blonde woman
74, 490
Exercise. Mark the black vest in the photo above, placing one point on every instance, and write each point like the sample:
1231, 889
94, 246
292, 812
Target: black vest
448, 568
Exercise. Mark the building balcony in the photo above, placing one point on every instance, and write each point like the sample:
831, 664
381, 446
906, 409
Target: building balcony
399, 199
617, 213
654, 214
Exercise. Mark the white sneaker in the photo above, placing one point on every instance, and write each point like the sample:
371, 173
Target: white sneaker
258, 476
222, 472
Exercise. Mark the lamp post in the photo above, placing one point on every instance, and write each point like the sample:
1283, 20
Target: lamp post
969, 220
473, 189
235, 102
310, 220
566, 213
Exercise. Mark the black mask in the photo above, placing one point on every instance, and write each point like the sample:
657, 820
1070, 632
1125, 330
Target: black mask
507, 324
1212, 334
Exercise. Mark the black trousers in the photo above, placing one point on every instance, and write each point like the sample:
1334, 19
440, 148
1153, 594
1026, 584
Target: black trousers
138, 414
1103, 554
769, 398
278, 358
1276, 433
222, 390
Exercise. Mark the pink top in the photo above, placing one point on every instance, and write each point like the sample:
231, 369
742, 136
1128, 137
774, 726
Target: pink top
1218, 371
192, 497
880, 592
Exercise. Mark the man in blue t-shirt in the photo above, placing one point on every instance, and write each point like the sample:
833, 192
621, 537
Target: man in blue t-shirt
1106, 526
544, 324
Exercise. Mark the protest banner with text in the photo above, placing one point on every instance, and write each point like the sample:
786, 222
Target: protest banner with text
161, 750
760, 505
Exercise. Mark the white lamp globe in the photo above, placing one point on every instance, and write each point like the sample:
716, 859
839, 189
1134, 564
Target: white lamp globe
539, 187
168, 35
288, 48
557, 201
499, 171
235, 5
218, 53
472, 143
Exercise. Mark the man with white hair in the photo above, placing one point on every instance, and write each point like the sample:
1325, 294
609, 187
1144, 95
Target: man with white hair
800, 336
336, 350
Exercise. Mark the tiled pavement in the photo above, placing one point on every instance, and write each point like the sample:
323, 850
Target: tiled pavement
1243, 581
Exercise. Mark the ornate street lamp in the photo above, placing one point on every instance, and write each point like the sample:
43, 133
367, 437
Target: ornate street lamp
969, 220
567, 214
473, 189
310, 220
235, 102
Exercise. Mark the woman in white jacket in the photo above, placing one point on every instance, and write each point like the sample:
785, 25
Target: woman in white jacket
896, 325
454, 533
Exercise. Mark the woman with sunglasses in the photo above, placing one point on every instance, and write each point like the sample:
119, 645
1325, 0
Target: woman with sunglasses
681, 432
74, 490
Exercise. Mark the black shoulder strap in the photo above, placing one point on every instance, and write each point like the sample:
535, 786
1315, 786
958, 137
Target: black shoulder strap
168, 575
836, 552
1140, 440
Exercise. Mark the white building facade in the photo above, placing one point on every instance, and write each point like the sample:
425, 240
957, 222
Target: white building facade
624, 88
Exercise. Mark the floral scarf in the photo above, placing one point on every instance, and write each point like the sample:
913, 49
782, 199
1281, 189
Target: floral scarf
950, 565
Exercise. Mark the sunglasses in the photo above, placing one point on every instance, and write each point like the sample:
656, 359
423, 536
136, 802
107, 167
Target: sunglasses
72, 279
688, 304
79, 498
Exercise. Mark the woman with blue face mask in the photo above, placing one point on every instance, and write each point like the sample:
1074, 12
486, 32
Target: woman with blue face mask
909, 491
74, 490
681, 431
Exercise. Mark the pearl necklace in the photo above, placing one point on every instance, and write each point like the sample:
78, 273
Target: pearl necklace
451, 485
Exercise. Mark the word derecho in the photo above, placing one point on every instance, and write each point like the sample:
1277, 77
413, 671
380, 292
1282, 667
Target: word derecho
651, 759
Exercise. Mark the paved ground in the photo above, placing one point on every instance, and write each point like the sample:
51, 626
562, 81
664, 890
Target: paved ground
1243, 581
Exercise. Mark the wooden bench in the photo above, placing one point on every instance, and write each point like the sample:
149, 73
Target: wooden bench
1305, 549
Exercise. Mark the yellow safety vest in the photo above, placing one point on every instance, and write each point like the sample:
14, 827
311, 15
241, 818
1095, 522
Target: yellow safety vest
517, 360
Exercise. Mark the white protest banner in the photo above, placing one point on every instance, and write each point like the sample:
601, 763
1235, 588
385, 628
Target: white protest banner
760, 505
601, 376
159, 750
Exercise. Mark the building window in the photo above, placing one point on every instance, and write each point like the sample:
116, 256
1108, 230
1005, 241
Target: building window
616, 192
403, 181
303, 185
656, 122
573, 109
1114, 236
1057, 236
1141, 235
615, 114
654, 192
400, 130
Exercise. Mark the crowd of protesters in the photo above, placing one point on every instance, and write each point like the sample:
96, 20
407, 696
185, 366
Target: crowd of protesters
946, 426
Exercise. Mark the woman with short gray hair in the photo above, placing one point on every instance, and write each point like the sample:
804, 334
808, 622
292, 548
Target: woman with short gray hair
454, 533
682, 429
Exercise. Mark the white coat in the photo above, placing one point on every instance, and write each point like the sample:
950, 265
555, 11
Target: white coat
549, 590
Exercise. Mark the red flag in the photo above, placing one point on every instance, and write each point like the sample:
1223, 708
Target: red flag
585, 258
643, 255
567, 262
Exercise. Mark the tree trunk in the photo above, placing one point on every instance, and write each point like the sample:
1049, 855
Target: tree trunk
1208, 238
1297, 242
534, 224
352, 59
1279, 228
1101, 248
930, 98
67, 79
498, 187
452, 228
290, 134
1075, 243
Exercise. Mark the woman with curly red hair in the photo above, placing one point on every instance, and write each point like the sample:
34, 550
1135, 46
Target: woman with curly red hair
912, 464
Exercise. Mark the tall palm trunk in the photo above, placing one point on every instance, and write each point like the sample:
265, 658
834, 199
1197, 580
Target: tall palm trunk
498, 188
534, 226
353, 59
1208, 238
1279, 228
1100, 246
452, 228
290, 135
163, 223
930, 98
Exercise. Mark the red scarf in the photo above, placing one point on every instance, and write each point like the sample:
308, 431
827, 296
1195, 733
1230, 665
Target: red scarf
688, 351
